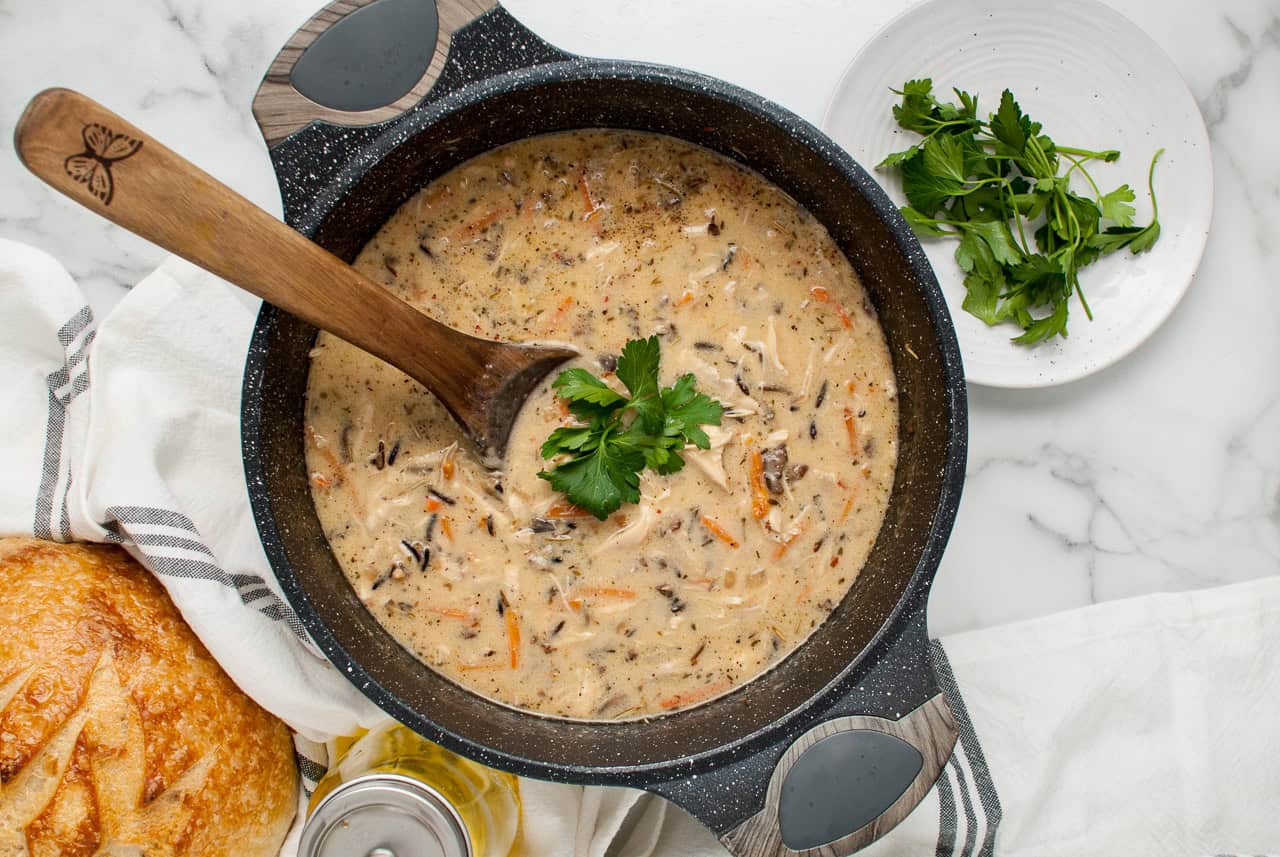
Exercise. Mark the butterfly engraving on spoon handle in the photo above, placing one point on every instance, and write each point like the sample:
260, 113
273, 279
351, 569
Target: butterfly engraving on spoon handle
102, 148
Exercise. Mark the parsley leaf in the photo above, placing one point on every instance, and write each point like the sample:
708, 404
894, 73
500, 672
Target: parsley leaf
944, 157
918, 104
638, 370
1009, 125
969, 104
570, 439
982, 296
686, 410
992, 182
895, 158
602, 480
659, 451
995, 234
607, 454
579, 385
638, 366
922, 224
1115, 206
587, 395
974, 255
926, 191
1040, 278
1040, 329
1137, 239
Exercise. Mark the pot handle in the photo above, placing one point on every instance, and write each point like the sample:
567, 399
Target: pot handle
849, 778
846, 782
363, 62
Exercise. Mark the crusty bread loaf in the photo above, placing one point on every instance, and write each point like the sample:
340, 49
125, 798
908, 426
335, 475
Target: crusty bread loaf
119, 734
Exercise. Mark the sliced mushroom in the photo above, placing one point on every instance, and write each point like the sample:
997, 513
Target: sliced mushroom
775, 463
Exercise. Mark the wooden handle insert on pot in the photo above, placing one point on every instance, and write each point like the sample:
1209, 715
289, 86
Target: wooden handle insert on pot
846, 782
359, 62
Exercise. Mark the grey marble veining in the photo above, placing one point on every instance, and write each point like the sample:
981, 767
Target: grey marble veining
1161, 473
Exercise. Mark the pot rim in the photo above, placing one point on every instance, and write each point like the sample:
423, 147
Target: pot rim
397, 132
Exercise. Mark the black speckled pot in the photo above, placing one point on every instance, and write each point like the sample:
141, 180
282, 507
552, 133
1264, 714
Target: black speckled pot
861, 688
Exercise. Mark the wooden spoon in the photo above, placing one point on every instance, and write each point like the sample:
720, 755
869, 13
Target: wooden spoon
110, 167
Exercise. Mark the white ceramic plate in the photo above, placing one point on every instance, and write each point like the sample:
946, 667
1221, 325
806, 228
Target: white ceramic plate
1096, 82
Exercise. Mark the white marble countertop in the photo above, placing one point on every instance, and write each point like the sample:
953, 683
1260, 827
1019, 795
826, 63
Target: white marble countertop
1160, 473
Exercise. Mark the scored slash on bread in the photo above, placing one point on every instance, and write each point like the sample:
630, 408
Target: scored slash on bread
108, 730
119, 733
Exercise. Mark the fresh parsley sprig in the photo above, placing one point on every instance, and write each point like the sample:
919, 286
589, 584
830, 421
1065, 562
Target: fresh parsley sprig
620, 435
991, 183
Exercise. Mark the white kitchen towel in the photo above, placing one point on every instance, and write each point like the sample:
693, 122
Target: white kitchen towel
1141, 727
129, 432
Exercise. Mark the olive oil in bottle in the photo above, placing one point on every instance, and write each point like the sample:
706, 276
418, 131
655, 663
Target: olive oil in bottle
392, 793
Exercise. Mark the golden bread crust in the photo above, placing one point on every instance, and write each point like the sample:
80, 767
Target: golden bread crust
117, 728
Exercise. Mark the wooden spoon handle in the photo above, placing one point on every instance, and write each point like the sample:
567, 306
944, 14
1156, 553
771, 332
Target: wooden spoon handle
111, 167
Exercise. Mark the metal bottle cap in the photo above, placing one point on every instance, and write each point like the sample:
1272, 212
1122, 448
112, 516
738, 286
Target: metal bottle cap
384, 815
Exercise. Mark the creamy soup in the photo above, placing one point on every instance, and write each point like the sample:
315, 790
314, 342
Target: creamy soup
495, 580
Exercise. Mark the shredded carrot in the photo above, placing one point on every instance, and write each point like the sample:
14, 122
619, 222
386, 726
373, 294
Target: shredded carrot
334, 464
588, 203
692, 696
513, 636
330, 458
607, 592
804, 593
561, 509
851, 426
320, 480
339, 472
452, 613
822, 295
434, 505
719, 532
446, 528
685, 299
759, 493
790, 540
480, 224
844, 513
564, 407
466, 668
575, 603
447, 468
557, 317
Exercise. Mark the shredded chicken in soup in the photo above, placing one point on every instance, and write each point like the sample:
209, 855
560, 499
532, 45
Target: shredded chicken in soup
593, 238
